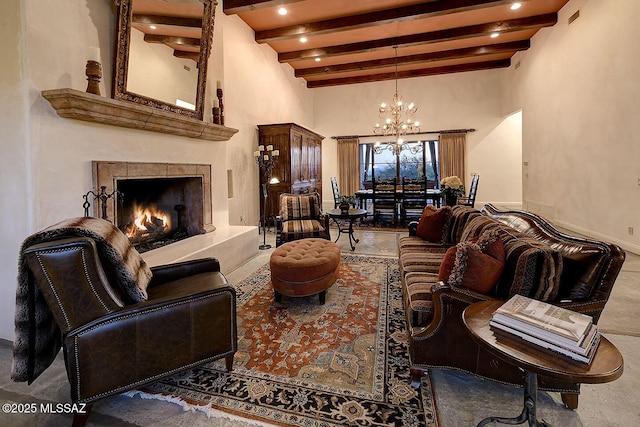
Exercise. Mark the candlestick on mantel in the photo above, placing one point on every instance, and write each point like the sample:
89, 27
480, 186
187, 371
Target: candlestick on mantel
220, 104
93, 54
216, 115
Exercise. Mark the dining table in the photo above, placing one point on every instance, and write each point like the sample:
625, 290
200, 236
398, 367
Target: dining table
362, 196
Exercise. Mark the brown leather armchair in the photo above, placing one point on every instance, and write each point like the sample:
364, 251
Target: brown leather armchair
111, 346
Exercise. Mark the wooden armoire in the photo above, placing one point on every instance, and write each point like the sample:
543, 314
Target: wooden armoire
299, 165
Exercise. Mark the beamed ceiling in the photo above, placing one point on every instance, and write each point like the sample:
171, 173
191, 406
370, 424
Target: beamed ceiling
352, 41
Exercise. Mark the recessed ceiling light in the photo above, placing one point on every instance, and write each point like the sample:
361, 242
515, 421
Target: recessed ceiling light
516, 6
153, 27
303, 39
494, 35
282, 11
317, 59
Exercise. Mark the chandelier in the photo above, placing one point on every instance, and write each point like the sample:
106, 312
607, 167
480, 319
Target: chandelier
398, 121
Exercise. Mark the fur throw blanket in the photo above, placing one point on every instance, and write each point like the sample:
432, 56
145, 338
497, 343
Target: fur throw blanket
37, 336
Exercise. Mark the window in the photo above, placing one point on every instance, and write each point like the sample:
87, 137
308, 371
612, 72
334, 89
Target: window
387, 165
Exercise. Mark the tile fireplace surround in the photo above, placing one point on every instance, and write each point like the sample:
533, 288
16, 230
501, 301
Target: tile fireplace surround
108, 174
232, 245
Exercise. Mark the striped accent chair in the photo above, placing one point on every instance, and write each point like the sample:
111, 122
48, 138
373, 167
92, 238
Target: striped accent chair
300, 217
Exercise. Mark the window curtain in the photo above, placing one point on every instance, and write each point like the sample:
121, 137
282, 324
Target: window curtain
348, 166
452, 150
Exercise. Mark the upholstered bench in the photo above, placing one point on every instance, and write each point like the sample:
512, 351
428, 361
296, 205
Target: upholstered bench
304, 267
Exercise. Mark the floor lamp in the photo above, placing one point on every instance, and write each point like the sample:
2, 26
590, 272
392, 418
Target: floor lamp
266, 160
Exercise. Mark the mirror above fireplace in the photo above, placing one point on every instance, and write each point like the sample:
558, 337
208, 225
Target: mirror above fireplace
162, 50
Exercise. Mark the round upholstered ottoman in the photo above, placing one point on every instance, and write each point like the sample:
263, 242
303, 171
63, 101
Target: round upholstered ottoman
304, 267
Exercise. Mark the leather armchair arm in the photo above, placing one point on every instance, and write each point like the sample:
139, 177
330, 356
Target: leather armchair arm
168, 273
122, 349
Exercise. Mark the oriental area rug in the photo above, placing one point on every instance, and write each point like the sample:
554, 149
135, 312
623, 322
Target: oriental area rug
300, 363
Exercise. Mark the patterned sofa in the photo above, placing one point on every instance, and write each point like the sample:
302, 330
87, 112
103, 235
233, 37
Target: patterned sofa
536, 260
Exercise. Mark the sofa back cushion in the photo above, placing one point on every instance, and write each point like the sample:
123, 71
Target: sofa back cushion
299, 206
584, 260
460, 215
532, 268
476, 226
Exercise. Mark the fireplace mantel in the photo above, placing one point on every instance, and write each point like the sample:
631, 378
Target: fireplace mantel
74, 104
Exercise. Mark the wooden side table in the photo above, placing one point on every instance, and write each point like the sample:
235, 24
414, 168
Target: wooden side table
607, 364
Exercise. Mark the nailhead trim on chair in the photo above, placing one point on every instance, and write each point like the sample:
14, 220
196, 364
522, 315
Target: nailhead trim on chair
145, 380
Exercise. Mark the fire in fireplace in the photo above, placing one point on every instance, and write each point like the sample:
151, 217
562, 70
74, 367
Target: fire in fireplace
158, 211
147, 222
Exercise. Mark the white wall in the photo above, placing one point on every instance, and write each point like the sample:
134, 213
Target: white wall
46, 167
15, 185
455, 101
258, 90
579, 92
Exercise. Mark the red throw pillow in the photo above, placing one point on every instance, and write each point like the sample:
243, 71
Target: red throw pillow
432, 224
477, 266
447, 264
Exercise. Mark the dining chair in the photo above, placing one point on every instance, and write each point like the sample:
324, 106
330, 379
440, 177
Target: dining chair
470, 199
414, 198
336, 192
385, 200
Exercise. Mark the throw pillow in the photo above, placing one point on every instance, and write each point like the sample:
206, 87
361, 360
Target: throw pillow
433, 224
476, 266
447, 264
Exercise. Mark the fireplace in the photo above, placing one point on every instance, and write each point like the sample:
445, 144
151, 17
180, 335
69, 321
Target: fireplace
159, 203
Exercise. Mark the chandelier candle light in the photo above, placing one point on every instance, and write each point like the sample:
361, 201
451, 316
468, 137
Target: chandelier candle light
398, 121
266, 159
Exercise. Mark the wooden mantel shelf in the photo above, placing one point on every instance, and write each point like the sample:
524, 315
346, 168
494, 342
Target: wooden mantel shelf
74, 104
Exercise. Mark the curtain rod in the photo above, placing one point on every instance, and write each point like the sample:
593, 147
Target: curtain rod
415, 133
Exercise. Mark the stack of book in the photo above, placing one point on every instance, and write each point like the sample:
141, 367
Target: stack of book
548, 326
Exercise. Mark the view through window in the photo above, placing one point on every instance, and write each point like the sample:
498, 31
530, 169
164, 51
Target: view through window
388, 165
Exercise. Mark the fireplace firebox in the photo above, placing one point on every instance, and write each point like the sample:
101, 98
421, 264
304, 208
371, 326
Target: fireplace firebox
158, 203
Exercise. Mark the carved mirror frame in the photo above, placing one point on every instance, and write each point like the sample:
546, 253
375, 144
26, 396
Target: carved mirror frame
124, 13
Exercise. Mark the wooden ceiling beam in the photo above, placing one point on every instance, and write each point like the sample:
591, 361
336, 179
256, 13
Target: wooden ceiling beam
477, 66
233, 7
183, 54
185, 41
381, 17
468, 52
520, 24
173, 21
